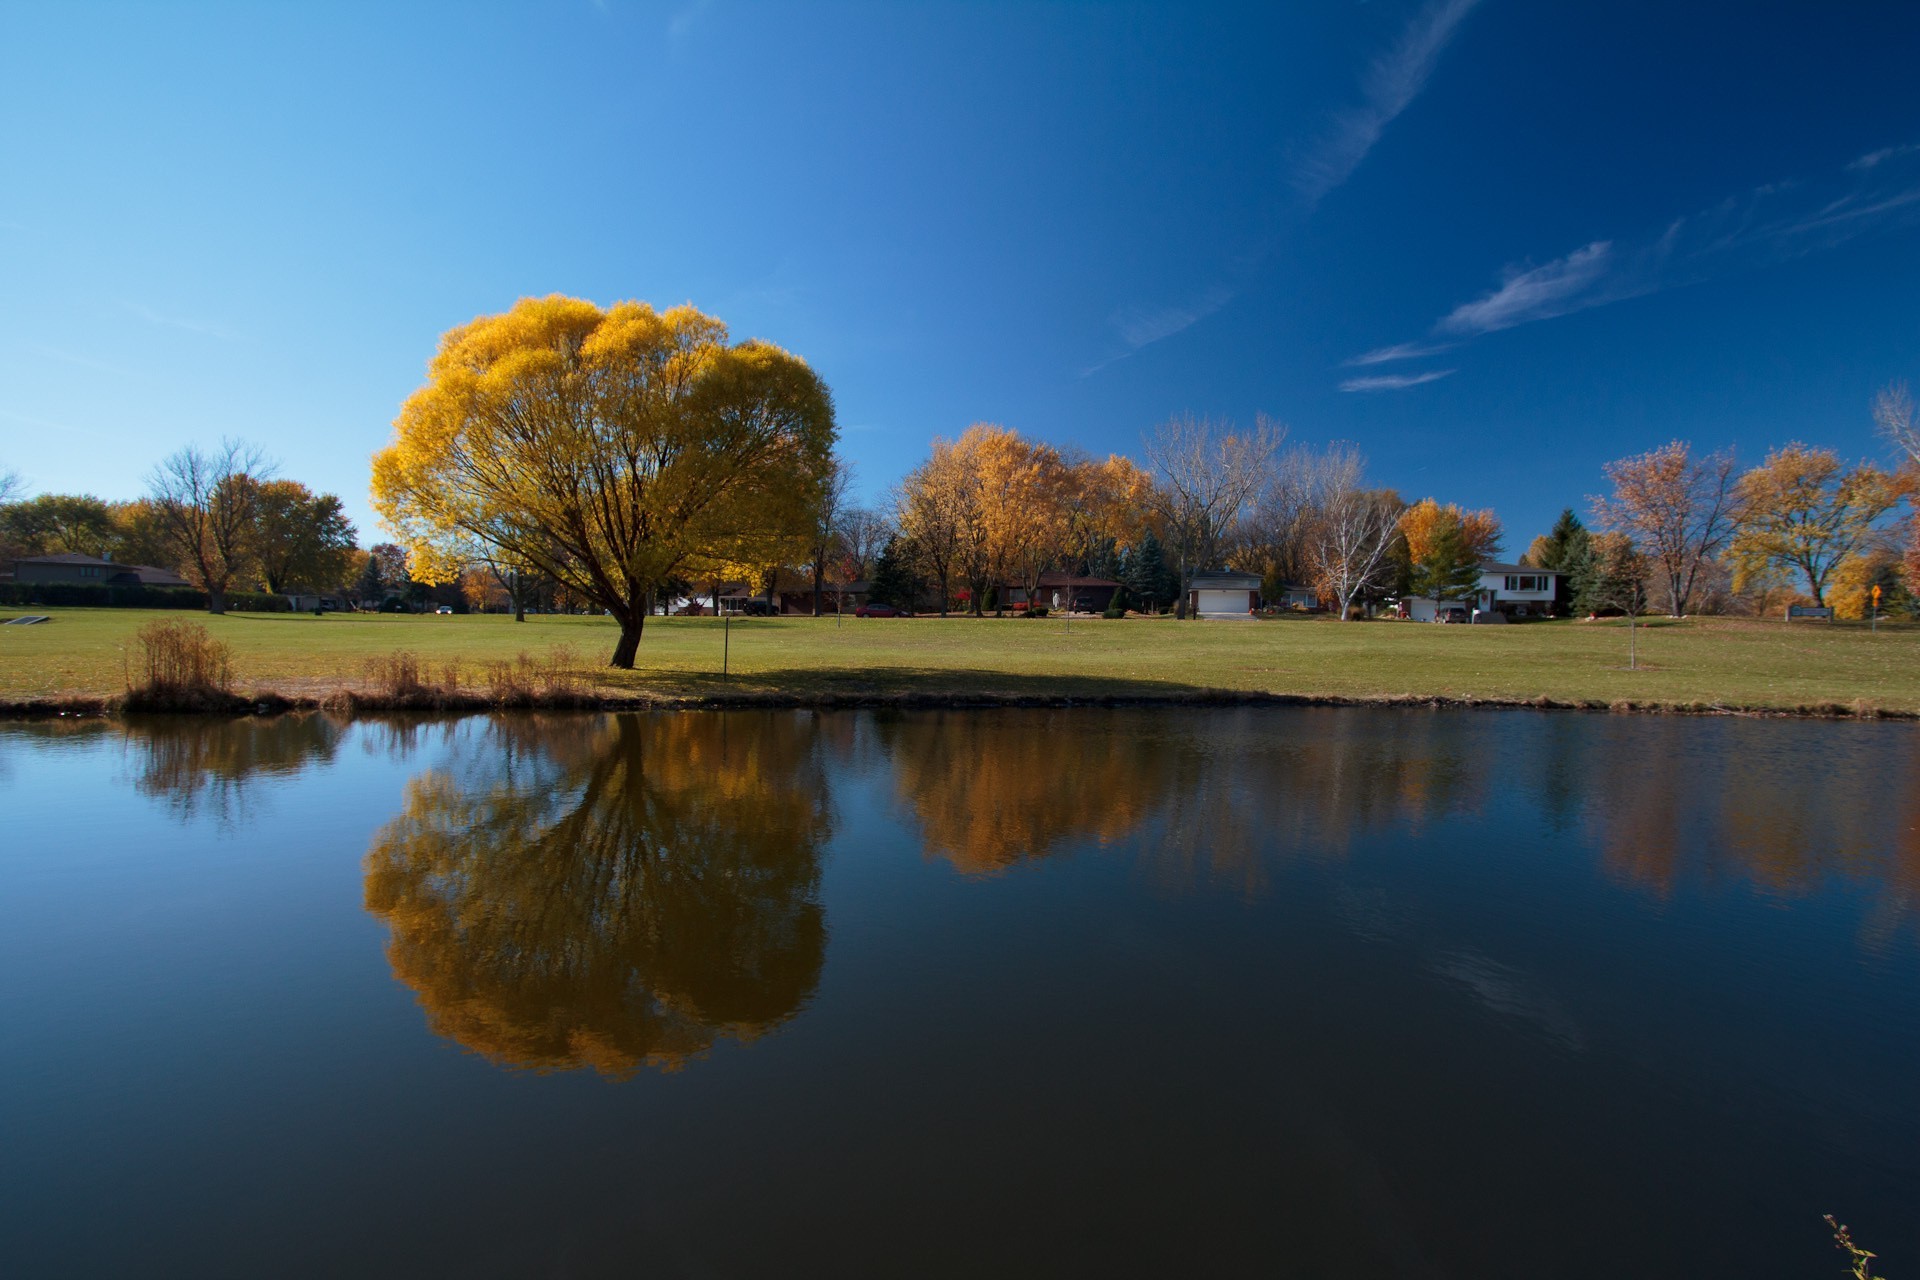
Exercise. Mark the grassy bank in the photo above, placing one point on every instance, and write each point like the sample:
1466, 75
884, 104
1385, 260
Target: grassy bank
1736, 664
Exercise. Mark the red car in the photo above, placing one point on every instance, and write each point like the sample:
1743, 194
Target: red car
877, 610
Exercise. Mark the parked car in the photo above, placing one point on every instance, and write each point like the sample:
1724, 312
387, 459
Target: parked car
1450, 613
753, 609
874, 609
445, 608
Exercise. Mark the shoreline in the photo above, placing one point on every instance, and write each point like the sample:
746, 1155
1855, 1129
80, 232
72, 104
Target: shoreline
352, 702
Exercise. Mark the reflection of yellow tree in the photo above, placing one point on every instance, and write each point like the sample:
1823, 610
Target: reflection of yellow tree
610, 893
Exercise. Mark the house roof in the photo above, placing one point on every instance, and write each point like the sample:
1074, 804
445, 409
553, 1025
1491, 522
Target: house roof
67, 557
1226, 580
151, 576
1074, 580
1495, 566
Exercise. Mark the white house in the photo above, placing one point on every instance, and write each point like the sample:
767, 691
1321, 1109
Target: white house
1223, 594
1510, 590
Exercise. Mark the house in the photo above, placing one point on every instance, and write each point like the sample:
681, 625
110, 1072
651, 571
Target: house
1074, 593
1510, 590
1294, 595
1223, 594
92, 571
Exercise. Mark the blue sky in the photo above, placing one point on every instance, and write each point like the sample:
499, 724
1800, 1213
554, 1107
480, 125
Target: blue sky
1495, 243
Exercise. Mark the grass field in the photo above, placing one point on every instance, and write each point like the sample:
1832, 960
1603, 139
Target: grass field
1723, 662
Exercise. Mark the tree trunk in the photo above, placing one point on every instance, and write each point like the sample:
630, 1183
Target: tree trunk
816, 586
629, 646
216, 599
519, 594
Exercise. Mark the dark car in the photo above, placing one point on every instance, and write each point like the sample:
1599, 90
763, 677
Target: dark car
874, 609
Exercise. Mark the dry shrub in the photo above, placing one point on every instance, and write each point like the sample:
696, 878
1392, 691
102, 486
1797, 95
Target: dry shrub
558, 674
398, 675
529, 679
507, 684
181, 658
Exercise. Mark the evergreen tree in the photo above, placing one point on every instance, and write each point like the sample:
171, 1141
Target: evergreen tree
1450, 570
1566, 542
1551, 551
371, 587
1579, 568
1104, 560
1117, 607
894, 581
1152, 584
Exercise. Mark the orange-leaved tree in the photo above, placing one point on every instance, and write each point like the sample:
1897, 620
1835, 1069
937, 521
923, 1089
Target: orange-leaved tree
1804, 510
606, 449
1679, 509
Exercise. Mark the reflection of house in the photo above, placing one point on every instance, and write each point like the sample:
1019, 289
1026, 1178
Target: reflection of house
1512, 590
1075, 592
92, 571
1224, 594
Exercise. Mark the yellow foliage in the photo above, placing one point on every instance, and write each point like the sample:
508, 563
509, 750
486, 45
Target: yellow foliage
1423, 523
609, 450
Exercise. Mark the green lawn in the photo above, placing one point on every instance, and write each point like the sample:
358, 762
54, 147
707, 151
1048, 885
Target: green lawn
85, 652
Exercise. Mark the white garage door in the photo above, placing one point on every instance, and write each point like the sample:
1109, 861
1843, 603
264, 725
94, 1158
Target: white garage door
1232, 603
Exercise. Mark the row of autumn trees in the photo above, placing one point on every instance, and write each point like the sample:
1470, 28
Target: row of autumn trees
625, 453
993, 507
218, 517
1679, 530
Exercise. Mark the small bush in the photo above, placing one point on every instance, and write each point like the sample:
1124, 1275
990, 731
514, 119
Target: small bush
398, 675
181, 657
1037, 611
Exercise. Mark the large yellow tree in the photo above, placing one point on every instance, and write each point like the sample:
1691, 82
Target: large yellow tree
607, 449
1806, 511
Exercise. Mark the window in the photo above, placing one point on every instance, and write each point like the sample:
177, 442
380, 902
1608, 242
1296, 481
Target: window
1527, 582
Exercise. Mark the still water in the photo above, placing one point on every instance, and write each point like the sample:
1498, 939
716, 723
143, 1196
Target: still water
1140, 992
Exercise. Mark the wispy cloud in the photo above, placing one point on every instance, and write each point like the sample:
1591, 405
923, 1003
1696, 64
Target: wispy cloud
1874, 159
1399, 351
1536, 293
78, 361
47, 424
1393, 381
1391, 83
1770, 223
683, 20
167, 321
1141, 325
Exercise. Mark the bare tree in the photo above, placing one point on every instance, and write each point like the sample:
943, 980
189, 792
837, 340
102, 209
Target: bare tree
830, 508
1680, 510
206, 501
862, 533
1348, 530
12, 484
1274, 534
1206, 475
1893, 411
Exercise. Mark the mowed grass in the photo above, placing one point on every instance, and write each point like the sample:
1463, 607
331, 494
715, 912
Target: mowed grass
1724, 662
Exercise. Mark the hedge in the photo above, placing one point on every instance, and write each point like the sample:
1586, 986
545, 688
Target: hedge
89, 596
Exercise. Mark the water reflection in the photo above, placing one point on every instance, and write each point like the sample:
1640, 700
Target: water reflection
1220, 791
612, 892
200, 766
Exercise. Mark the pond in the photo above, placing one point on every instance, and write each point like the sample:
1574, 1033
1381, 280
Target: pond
1078, 992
